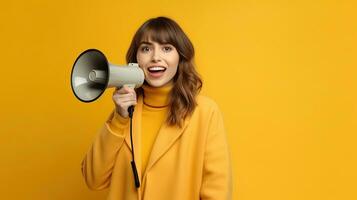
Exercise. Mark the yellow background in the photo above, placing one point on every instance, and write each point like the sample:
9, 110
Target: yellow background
283, 73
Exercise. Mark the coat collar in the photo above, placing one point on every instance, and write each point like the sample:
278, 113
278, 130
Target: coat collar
166, 137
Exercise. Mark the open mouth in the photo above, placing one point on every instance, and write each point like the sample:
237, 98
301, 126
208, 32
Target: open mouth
156, 69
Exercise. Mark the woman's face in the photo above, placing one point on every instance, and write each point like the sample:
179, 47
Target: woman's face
159, 62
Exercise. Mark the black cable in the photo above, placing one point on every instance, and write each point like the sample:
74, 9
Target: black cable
133, 165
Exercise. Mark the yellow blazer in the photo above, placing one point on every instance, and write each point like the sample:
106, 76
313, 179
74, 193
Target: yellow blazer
188, 163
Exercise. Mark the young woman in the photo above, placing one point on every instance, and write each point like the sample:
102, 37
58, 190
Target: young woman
180, 146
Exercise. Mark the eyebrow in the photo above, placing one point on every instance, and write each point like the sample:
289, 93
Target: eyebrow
148, 43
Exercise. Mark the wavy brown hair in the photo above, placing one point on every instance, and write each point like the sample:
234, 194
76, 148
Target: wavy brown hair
187, 82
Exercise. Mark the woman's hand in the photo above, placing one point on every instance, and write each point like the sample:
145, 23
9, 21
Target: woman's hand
123, 98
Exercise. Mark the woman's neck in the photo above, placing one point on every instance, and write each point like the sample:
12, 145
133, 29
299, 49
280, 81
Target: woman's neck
157, 96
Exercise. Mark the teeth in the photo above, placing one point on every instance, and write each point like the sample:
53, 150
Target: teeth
156, 68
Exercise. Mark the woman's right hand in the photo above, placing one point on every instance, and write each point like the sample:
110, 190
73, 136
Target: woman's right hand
123, 98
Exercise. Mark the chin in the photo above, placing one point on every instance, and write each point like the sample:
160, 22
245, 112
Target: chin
156, 83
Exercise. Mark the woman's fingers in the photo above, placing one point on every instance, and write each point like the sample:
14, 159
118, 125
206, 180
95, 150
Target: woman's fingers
124, 90
123, 98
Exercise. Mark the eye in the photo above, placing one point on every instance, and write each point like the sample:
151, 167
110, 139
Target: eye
144, 49
167, 48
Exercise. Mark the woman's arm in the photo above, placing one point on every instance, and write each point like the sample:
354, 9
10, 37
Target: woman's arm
99, 161
217, 181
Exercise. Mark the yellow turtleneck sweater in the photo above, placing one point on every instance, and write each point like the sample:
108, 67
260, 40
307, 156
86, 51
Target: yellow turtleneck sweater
154, 113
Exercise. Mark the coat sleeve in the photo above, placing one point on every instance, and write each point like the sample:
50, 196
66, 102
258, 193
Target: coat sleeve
98, 163
217, 181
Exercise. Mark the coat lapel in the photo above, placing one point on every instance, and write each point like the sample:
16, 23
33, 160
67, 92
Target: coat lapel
166, 137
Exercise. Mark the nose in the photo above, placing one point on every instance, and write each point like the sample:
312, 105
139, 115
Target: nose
156, 56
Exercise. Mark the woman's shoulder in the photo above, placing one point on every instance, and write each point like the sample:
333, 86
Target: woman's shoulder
206, 104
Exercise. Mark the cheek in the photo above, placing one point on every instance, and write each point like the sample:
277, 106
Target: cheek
177, 59
172, 71
140, 59
174, 60
174, 66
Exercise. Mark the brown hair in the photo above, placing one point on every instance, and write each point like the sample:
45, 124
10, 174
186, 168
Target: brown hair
187, 83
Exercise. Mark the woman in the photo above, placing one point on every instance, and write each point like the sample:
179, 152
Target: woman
181, 151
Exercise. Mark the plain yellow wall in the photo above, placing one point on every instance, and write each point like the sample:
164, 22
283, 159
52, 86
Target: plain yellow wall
283, 73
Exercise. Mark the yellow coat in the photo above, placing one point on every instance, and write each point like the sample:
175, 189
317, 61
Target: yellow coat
188, 163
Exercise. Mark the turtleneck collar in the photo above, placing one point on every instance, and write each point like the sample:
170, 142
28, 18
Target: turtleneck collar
157, 96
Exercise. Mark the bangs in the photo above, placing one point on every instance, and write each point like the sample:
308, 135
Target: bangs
160, 33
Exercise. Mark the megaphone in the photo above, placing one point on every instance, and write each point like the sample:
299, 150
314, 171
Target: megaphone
92, 74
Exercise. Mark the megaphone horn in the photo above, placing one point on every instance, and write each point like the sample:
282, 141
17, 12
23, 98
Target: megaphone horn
92, 74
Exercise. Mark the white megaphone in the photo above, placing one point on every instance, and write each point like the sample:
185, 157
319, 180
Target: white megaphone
92, 74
